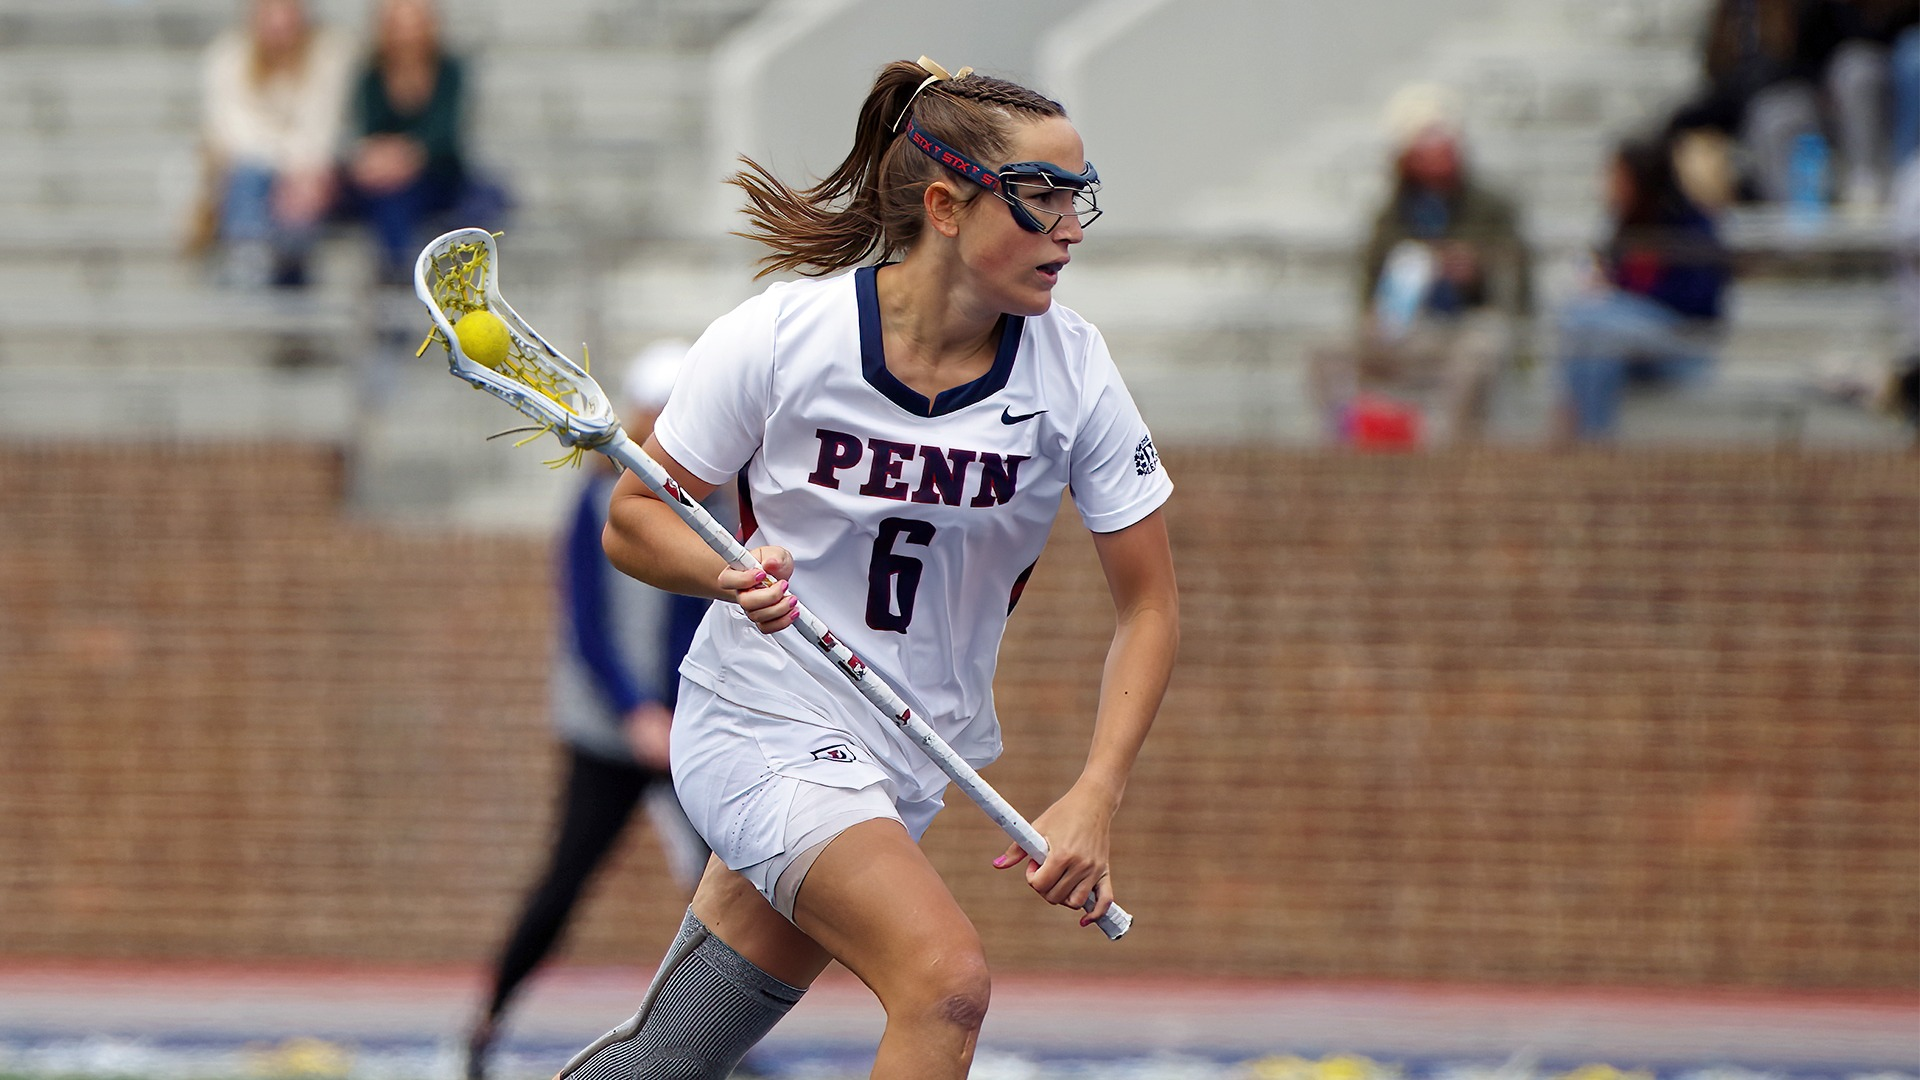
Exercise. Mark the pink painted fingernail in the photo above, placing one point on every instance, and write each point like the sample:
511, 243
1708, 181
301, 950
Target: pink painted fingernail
759, 578
783, 586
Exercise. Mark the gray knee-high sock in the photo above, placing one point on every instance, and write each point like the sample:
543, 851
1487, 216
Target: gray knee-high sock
706, 1008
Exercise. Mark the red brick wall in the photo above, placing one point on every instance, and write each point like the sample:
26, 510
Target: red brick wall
1643, 718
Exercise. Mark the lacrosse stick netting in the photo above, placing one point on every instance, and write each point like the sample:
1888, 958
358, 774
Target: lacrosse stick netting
458, 273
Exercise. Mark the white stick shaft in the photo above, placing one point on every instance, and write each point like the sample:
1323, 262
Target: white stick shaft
875, 689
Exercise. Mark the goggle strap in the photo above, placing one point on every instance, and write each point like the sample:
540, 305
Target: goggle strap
951, 158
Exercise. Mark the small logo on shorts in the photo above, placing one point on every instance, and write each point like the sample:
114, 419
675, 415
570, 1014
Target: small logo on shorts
840, 752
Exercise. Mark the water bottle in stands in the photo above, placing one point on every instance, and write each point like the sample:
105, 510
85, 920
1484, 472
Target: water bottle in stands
1807, 179
1405, 280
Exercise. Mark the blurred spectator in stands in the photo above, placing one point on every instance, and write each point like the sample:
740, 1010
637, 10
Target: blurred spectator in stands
1905, 389
1445, 290
1759, 89
1849, 43
1906, 95
273, 92
1652, 312
1780, 73
616, 673
408, 165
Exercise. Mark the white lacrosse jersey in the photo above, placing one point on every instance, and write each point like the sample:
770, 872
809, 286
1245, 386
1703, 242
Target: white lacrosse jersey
913, 524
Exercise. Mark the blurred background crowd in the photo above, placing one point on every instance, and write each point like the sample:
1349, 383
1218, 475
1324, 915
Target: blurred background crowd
1658, 220
1604, 672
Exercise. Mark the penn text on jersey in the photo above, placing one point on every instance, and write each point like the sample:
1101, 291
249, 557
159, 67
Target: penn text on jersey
941, 478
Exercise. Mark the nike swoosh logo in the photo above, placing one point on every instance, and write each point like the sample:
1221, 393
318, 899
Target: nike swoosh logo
1007, 416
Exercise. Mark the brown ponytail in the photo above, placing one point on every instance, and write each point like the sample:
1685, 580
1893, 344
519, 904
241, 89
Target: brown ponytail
872, 201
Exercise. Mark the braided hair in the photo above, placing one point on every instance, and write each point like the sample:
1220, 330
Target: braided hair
871, 203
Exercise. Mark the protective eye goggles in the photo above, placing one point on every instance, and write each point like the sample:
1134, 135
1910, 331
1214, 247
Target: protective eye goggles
1039, 193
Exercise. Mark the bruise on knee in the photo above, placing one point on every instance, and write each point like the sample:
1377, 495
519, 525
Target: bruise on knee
966, 1011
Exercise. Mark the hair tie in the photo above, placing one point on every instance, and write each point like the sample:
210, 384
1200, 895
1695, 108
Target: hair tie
936, 74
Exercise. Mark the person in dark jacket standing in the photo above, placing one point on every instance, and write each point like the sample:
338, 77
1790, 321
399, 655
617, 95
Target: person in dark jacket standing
1653, 311
615, 678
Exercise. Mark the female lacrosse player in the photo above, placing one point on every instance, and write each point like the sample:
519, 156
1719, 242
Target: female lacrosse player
904, 434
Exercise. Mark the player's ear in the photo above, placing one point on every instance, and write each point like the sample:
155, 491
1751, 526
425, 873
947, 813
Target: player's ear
943, 208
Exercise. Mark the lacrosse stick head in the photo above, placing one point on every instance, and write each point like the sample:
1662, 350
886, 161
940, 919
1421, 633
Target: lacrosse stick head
459, 272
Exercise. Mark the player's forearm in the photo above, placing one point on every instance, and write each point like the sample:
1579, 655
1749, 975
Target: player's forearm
645, 539
1138, 666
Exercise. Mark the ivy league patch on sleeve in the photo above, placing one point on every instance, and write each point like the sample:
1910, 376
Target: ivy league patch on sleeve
1146, 460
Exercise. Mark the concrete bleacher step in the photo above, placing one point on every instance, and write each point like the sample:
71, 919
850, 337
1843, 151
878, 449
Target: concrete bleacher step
140, 405
132, 24
187, 23
100, 274
1776, 308
103, 95
1749, 408
55, 175
611, 95
416, 439
35, 231
1560, 76
180, 307
423, 452
681, 24
102, 307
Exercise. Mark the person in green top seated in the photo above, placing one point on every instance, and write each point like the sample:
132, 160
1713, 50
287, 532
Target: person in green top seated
408, 163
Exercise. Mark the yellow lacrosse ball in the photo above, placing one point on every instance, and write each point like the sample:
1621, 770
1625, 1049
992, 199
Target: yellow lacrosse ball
483, 337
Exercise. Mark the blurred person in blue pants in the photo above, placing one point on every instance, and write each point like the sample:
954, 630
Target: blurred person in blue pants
272, 91
1905, 389
1905, 77
1758, 87
1851, 44
1653, 310
408, 162
615, 677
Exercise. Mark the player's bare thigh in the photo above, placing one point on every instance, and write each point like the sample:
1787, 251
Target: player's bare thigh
874, 902
737, 914
871, 900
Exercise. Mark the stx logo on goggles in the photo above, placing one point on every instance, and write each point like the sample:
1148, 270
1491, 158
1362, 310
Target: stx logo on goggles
952, 159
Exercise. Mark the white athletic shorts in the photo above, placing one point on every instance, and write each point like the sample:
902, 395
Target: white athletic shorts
767, 793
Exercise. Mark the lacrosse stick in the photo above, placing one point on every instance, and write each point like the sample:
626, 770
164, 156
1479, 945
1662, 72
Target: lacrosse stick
458, 273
